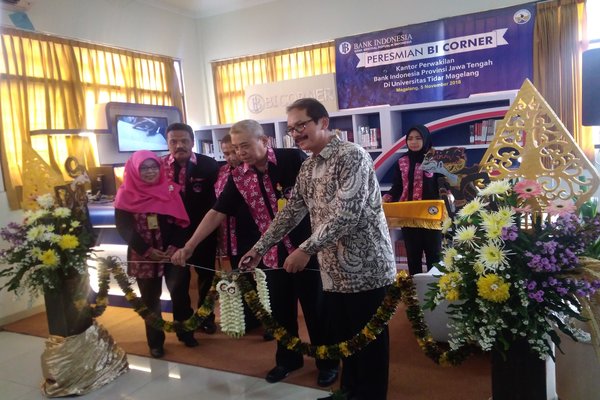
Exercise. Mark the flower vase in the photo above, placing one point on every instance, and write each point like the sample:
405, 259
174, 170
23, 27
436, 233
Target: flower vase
67, 310
518, 373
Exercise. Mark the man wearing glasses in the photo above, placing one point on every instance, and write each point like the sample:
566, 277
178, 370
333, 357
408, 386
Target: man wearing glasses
337, 186
260, 188
197, 174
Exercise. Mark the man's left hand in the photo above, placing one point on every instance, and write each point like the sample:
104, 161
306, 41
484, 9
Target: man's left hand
296, 261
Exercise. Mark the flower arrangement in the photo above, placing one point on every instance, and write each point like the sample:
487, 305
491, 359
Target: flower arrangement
48, 246
514, 273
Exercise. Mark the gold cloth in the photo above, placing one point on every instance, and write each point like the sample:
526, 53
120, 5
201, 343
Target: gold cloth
79, 364
427, 214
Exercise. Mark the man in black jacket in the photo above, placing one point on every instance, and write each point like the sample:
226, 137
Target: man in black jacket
261, 186
197, 174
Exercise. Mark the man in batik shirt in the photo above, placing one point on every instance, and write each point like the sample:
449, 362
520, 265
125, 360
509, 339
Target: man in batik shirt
338, 187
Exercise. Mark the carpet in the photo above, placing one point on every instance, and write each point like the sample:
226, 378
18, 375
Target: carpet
413, 376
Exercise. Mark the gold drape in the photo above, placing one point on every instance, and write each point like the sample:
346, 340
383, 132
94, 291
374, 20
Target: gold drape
559, 40
52, 83
233, 75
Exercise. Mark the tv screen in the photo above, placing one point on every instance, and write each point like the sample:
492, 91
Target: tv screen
136, 132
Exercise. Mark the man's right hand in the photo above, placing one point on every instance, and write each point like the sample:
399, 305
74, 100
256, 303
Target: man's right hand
181, 256
249, 261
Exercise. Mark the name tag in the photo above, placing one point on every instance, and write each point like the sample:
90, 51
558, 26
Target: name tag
152, 221
281, 203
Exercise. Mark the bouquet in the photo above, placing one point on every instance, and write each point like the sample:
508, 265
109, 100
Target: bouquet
47, 247
512, 272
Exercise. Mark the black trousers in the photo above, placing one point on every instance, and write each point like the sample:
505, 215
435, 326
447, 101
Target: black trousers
418, 241
285, 290
178, 282
365, 373
150, 290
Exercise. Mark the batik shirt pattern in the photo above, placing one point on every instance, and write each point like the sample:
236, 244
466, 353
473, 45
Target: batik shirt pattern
349, 231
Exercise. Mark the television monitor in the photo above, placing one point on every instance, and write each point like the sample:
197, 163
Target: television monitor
136, 132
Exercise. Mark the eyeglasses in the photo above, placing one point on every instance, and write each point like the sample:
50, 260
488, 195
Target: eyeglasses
299, 127
150, 168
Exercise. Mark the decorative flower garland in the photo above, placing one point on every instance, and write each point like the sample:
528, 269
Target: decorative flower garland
111, 264
402, 289
232, 308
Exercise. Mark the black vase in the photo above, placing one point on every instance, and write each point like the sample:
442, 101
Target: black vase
64, 317
518, 373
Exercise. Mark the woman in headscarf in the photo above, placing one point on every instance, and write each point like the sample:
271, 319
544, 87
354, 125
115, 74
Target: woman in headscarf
149, 215
412, 183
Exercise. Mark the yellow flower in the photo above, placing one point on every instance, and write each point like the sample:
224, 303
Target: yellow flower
496, 188
449, 285
321, 351
446, 224
472, 207
48, 258
368, 334
278, 333
493, 288
448, 258
466, 234
67, 242
479, 268
344, 349
492, 256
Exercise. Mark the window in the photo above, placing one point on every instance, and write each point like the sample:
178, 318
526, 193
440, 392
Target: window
49, 83
232, 76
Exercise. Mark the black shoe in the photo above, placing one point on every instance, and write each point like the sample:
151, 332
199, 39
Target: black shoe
278, 373
157, 352
327, 377
209, 327
189, 341
267, 336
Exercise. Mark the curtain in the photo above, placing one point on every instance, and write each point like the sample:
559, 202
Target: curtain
49, 83
233, 75
559, 40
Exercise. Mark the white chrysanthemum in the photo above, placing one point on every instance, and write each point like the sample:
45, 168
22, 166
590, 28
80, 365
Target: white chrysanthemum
75, 224
496, 188
448, 257
62, 212
505, 217
36, 232
261, 288
32, 216
46, 201
466, 235
446, 225
232, 309
492, 256
472, 207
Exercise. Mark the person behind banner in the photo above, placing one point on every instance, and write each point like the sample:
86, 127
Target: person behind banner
150, 216
337, 186
412, 183
196, 174
261, 186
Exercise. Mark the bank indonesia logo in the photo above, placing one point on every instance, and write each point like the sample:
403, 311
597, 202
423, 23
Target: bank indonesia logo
345, 48
522, 17
256, 104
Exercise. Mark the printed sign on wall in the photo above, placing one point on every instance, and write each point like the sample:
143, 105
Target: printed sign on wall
451, 58
269, 100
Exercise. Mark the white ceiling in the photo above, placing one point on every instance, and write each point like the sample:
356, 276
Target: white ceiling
204, 8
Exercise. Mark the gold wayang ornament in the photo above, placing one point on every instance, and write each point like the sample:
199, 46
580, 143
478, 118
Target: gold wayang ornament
532, 143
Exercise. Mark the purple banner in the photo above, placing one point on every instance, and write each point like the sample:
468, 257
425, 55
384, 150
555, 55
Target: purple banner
451, 58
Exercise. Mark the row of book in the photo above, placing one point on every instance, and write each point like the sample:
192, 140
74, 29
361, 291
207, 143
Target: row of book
483, 131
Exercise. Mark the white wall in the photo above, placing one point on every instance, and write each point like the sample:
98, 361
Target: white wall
277, 25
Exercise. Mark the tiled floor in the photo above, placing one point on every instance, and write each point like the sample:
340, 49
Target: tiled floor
147, 379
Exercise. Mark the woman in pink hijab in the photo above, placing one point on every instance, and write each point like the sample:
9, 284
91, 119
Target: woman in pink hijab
149, 215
